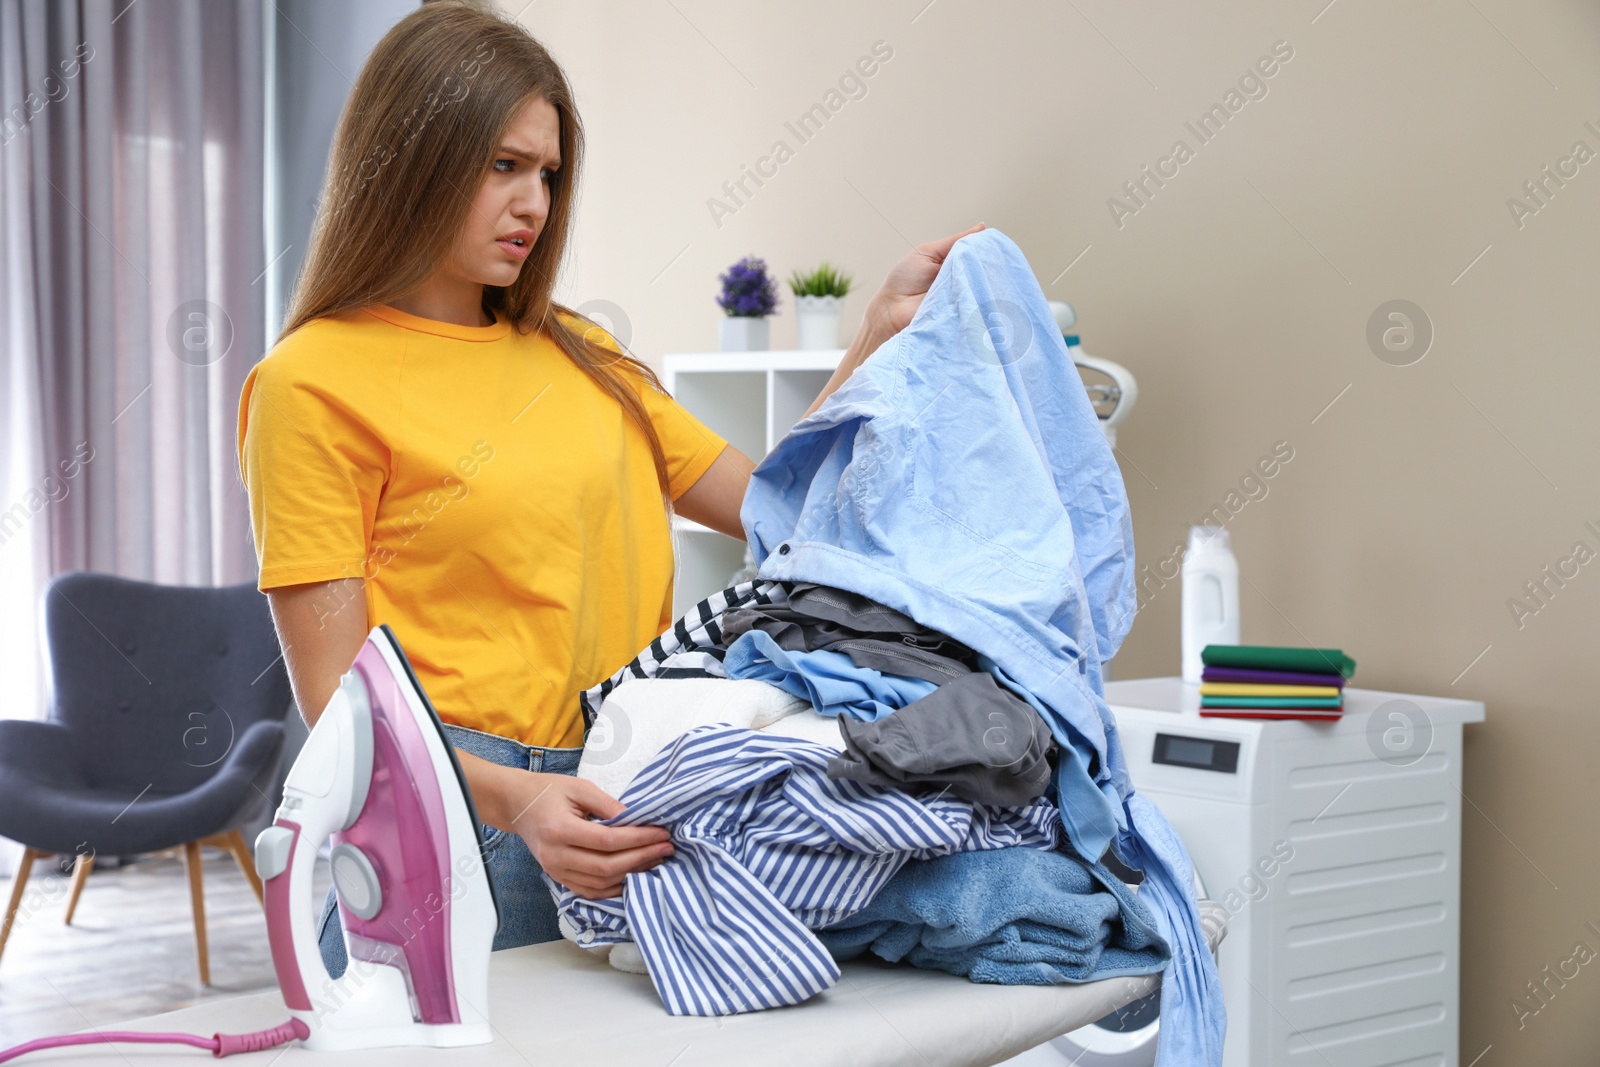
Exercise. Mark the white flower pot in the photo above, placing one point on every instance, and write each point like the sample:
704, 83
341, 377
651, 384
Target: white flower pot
817, 321
745, 333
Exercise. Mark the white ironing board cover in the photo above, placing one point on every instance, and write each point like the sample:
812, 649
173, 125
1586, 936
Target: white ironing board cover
554, 1004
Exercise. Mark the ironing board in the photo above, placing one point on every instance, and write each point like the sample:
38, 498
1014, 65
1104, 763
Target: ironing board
555, 1004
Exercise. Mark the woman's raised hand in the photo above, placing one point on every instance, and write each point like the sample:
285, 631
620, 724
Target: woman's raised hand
908, 281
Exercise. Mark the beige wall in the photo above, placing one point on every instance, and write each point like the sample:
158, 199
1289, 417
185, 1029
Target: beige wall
1377, 167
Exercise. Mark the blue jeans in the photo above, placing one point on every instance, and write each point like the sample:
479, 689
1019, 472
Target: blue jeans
527, 910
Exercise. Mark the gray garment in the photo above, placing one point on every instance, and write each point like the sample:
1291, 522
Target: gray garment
983, 742
852, 610
872, 635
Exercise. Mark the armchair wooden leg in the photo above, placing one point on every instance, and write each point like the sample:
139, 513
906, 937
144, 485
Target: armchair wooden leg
80, 874
191, 862
233, 842
19, 882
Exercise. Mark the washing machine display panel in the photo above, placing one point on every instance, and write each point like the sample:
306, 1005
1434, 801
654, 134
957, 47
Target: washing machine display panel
1201, 753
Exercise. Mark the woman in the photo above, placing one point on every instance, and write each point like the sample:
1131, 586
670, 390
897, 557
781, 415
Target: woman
435, 444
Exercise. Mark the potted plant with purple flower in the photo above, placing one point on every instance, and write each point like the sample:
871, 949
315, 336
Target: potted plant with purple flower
748, 296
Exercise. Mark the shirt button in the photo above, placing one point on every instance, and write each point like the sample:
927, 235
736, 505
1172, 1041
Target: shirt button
586, 937
783, 550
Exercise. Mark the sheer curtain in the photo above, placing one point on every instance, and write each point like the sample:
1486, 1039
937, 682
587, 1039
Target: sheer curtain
131, 297
22, 555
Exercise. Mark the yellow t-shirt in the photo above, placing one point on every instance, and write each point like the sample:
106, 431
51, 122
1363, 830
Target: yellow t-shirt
503, 509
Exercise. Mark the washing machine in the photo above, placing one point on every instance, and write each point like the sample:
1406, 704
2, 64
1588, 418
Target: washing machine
1334, 848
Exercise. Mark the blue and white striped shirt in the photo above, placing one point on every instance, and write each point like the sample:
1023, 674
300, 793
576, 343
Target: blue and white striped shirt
768, 848
692, 648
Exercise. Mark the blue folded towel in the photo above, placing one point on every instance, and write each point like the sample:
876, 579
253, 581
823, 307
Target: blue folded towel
1009, 916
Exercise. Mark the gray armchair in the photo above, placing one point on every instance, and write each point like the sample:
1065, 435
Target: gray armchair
164, 732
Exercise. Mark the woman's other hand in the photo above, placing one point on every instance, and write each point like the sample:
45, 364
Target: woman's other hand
551, 813
908, 281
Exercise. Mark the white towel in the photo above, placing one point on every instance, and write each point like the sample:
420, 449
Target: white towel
641, 718
807, 725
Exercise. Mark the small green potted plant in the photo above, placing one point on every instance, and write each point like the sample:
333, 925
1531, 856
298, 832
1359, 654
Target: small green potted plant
819, 304
748, 296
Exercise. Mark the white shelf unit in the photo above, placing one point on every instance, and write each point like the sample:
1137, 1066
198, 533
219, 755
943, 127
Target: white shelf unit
752, 399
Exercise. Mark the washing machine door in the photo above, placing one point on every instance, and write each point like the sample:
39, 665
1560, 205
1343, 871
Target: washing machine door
1126, 1037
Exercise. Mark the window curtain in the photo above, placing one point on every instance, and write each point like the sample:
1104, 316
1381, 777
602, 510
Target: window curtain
131, 297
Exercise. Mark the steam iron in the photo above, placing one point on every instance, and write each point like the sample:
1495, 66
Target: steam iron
379, 777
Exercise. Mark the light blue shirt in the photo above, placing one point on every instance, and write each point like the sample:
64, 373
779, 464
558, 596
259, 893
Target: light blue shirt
960, 476
830, 680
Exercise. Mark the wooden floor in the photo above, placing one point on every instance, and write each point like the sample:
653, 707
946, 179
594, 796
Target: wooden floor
130, 949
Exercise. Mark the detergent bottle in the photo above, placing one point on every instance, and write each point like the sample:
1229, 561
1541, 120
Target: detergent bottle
1210, 596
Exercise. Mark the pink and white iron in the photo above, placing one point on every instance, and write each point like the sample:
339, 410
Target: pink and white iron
379, 777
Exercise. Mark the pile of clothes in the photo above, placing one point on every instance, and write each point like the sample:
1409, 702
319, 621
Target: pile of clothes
788, 858
944, 548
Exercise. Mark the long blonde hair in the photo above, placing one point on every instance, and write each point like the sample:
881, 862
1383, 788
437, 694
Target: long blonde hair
417, 136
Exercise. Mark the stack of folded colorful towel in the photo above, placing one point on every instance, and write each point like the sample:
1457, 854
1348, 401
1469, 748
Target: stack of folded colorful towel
1268, 682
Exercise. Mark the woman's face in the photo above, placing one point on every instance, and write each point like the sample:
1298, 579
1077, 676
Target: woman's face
514, 200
